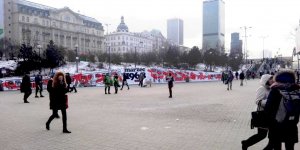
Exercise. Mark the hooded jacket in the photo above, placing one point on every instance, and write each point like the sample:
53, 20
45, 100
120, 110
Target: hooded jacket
262, 92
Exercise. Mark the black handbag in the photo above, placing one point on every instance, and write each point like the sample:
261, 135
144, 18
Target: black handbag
259, 118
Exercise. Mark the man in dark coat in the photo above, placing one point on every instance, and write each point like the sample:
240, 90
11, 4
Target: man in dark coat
283, 124
69, 81
125, 77
242, 78
141, 78
26, 87
38, 85
170, 81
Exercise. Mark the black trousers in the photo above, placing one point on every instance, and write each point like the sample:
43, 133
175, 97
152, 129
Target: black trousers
38, 89
107, 88
276, 145
64, 117
116, 89
69, 87
73, 88
141, 83
26, 95
170, 91
124, 83
261, 134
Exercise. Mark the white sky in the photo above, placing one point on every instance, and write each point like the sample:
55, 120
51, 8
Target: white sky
276, 19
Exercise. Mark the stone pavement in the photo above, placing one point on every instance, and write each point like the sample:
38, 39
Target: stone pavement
201, 116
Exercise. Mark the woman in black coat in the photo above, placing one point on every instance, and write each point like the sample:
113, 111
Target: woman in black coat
283, 127
58, 100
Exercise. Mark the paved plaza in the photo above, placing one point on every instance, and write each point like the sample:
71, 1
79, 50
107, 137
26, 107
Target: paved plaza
201, 116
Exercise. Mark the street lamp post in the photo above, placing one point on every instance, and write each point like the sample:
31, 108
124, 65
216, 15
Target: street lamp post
109, 57
140, 44
77, 58
39, 47
245, 43
264, 37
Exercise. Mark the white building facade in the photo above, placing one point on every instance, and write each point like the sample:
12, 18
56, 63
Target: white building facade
37, 24
123, 41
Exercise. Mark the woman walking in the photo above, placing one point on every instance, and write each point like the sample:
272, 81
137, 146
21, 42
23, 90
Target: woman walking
170, 81
26, 87
59, 100
116, 83
229, 80
261, 98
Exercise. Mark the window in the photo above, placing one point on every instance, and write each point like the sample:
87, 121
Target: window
43, 22
54, 24
27, 19
23, 18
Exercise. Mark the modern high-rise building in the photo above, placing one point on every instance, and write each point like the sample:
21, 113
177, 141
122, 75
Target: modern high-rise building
213, 25
175, 31
236, 45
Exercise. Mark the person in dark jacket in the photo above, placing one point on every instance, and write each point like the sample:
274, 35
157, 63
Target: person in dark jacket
26, 87
141, 79
283, 126
116, 83
38, 85
69, 81
237, 75
170, 81
58, 101
50, 91
229, 80
242, 78
125, 77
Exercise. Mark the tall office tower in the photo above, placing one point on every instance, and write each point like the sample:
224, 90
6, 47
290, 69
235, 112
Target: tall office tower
175, 31
213, 25
236, 45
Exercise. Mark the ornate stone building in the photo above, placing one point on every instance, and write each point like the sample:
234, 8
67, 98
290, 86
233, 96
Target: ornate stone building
32, 23
123, 41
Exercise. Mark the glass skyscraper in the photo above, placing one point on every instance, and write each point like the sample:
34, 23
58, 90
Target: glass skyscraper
213, 25
175, 31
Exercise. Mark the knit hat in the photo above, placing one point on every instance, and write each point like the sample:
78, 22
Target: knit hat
285, 76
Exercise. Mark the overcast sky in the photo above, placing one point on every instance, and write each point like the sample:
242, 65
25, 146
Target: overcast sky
276, 19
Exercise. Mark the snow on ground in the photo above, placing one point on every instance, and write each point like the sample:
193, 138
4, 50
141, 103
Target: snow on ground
11, 64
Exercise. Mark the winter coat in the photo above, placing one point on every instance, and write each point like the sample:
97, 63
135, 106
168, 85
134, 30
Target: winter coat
68, 79
286, 131
230, 77
50, 91
125, 77
262, 92
107, 80
26, 84
38, 79
58, 99
242, 76
170, 80
116, 82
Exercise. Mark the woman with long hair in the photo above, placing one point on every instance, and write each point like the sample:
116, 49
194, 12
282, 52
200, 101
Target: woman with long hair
58, 102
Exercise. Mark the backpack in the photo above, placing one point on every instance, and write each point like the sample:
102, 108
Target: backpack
289, 106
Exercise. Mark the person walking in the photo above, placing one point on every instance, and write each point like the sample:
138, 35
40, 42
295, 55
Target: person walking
261, 98
237, 75
26, 87
141, 79
242, 78
38, 85
282, 107
50, 91
124, 81
69, 81
59, 101
229, 80
170, 81
116, 83
107, 82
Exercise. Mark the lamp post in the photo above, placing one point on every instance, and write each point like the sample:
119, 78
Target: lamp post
245, 28
109, 57
77, 58
39, 47
264, 37
140, 43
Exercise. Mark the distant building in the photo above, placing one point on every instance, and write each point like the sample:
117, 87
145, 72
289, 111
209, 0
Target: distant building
37, 24
236, 45
213, 25
123, 41
1, 18
175, 31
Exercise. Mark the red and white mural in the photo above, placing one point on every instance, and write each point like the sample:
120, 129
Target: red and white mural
155, 75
